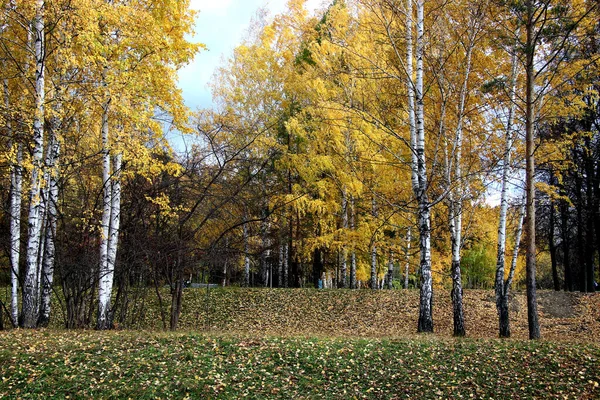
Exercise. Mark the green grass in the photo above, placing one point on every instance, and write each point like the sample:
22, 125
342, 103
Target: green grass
142, 365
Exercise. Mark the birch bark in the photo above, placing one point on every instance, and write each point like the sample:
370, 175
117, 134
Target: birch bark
105, 277
285, 265
353, 252
280, 267
390, 273
455, 214
16, 196
374, 285
246, 254
501, 300
343, 261
29, 315
425, 322
48, 259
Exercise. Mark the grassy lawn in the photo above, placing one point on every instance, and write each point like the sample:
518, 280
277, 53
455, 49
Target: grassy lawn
121, 364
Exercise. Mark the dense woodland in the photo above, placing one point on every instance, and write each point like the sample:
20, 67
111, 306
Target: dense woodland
380, 144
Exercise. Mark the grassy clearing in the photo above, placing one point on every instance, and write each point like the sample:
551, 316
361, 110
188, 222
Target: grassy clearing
35, 364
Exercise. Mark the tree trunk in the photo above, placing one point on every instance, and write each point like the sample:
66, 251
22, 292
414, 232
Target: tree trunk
317, 267
589, 237
390, 273
456, 201
566, 247
30, 306
280, 267
407, 267
374, 267
343, 261
425, 323
504, 323
552, 247
285, 265
532, 313
176, 300
16, 196
50, 233
16, 186
105, 275
266, 251
353, 253
410, 88
246, 256
115, 213
374, 285
15, 231
501, 299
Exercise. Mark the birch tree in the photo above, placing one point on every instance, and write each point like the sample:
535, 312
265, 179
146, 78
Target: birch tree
16, 188
30, 306
51, 202
500, 284
419, 167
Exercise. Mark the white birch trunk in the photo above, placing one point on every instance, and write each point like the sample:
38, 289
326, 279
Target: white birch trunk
515, 255
374, 267
44, 213
105, 277
29, 315
344, 263
246, 256
47, 276
285, 265
280, 267
457, 201
16, 196
374, 285
425, 323
390, 274
353, 253
266, 253
224, 281
115, 215
500, 289
410, 87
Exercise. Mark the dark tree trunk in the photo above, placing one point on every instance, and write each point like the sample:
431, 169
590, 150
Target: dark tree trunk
317, 267
566, 246
580, 272
551, 245
596, 205
590, 243
176, 295
457, 300
504, 320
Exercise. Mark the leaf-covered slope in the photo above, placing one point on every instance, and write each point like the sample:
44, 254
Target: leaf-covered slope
363, 313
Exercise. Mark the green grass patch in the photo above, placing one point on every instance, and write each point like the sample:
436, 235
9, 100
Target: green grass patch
59, 364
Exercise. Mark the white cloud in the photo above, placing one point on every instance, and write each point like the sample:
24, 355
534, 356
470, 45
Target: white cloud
221, 25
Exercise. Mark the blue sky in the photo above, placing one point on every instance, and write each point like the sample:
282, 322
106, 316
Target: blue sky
220, 25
